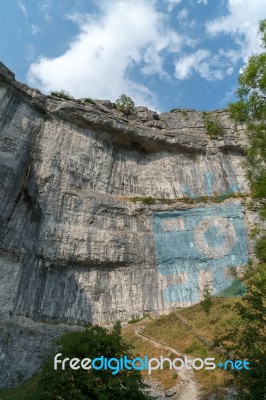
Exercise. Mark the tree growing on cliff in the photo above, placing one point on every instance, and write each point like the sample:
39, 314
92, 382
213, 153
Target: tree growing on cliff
251, 109
247, 339
125, 104
81, 384
63, 94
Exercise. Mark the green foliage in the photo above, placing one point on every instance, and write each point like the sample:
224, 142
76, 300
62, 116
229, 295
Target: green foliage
125, 104
184, 113
251, 109
148, 200
260, 249
189, 200
89, 100
23, 392
145, 200
63, 94
255, 231
90, 384
135, 320
238, 111
197, 348
207, 302
259, 185
236, 289
212, 125
246, 339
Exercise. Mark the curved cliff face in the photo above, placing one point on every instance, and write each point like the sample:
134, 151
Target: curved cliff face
74, 247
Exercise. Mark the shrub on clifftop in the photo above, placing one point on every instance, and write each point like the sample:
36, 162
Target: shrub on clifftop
63, 94
125, 104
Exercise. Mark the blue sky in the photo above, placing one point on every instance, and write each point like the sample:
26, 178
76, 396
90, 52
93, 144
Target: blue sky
163, 53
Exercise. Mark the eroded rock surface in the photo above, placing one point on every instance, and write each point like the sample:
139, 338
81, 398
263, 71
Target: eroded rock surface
73, 247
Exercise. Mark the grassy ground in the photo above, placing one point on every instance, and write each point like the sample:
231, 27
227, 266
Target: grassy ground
183, 337
171, 331
142, 348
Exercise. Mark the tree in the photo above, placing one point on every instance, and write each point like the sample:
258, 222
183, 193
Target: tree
207, 302
247, 339
251, 109
125, 104
260, 249
90, 384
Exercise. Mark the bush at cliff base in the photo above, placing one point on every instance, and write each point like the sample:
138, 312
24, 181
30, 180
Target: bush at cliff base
246, 339
90, 384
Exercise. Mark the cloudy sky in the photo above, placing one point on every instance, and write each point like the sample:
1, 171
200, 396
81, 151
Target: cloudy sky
162, 53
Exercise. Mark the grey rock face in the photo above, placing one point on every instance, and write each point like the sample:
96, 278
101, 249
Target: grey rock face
23, 345
73, 247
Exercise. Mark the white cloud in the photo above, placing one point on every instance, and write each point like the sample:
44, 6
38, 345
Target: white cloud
183, 14
45, 8
229, 96
185, 20
35, 29
97, 63
209, 66
195, 61
172, 3
130, 37
22, 6
154, 62
30, 53
242, 24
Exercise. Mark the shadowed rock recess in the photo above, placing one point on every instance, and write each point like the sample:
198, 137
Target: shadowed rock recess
75, 248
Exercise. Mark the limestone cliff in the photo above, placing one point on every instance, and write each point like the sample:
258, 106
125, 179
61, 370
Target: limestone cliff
75, 248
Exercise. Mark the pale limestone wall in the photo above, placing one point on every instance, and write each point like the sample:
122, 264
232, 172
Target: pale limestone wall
73, 248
